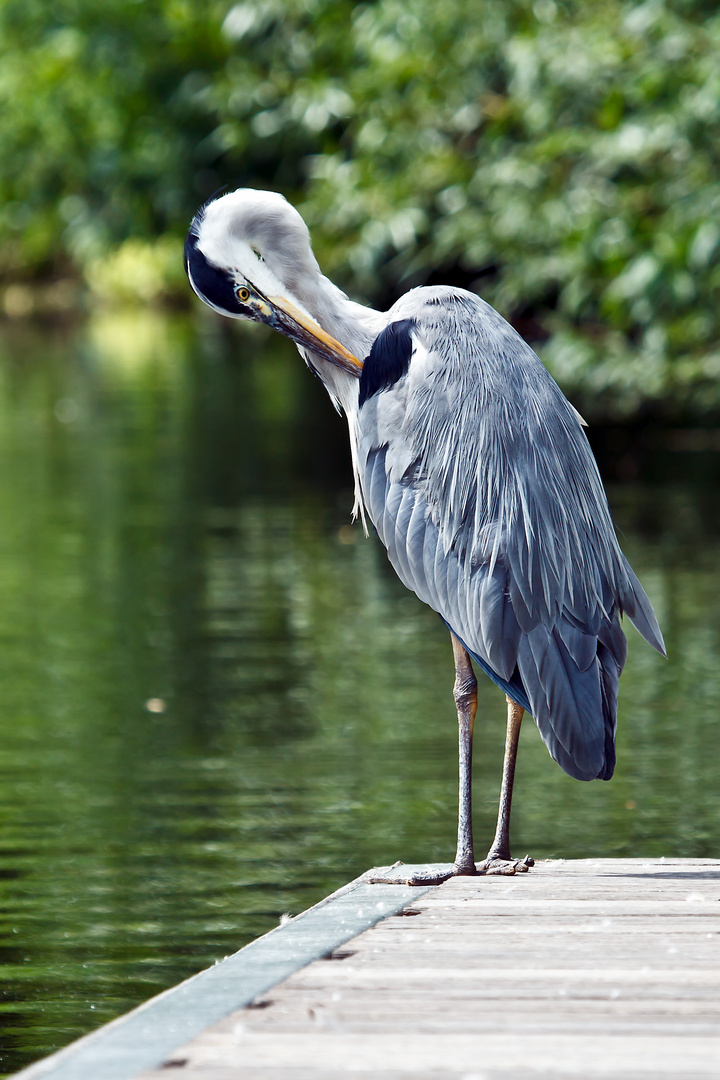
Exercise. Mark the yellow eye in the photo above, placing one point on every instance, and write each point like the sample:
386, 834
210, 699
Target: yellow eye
242, 293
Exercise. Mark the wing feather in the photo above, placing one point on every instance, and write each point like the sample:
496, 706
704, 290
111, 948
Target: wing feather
399, 536
581, 646
414, 546
433, 568
377, 485
640, 612
499, 627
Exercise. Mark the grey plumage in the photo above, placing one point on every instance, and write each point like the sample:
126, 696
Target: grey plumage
470, 463
480, 481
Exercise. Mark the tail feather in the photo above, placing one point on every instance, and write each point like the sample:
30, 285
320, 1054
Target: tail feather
609, 680
566, 703
571, 695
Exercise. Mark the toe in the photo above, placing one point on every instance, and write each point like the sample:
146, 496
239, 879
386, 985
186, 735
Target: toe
506, 867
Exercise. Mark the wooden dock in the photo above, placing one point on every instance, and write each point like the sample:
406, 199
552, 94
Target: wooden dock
579, 969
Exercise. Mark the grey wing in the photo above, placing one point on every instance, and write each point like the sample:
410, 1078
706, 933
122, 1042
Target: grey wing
566, 678
521, 562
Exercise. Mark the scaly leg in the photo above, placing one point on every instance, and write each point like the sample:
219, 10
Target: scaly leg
499, 860
465, 694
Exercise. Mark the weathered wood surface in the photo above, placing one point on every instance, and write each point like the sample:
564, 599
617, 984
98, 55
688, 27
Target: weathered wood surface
582, 969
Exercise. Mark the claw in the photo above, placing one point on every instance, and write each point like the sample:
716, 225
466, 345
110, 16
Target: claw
507, 867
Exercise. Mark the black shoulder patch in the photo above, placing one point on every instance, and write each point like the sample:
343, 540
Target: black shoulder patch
389, 359
211, 283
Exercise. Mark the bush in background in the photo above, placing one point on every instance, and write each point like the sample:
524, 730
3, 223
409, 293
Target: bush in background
560, 158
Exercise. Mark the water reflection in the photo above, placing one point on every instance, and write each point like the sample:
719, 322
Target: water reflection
175, 527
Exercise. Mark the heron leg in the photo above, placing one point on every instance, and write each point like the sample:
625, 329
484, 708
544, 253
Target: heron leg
465, 694
499, 860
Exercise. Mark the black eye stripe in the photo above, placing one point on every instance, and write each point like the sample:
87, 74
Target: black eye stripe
213, 284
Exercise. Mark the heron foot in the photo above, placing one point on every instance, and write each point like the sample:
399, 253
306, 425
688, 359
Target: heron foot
401, 873
414, 874
436, 875
494, 864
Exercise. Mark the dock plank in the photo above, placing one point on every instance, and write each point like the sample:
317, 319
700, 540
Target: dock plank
590, 968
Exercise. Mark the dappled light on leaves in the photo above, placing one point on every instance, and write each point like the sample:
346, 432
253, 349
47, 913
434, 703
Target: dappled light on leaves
559, 158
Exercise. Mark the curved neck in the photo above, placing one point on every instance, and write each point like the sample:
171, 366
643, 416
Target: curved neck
354, 326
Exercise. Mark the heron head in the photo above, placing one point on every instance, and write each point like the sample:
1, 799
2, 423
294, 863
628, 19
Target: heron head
247, 256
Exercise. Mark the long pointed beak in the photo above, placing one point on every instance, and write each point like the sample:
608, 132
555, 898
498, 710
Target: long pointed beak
304, 331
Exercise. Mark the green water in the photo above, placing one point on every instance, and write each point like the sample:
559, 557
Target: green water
174, 529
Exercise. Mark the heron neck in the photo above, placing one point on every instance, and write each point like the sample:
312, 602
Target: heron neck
354, 326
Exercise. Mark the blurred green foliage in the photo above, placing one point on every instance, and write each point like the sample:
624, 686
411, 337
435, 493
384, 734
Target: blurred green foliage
559, 157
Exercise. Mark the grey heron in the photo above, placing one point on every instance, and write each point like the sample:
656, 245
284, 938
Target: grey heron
478, 477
